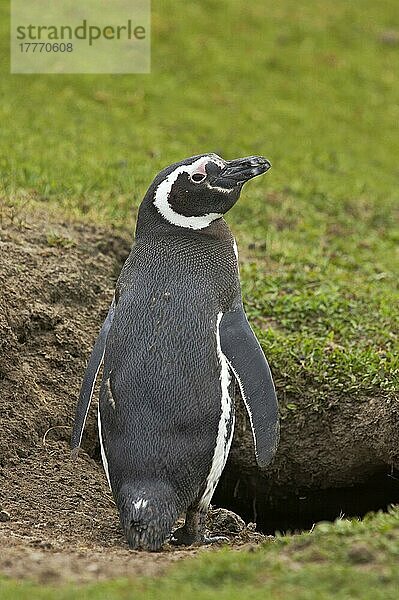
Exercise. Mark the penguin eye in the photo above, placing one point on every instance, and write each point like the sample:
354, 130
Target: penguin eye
197, 177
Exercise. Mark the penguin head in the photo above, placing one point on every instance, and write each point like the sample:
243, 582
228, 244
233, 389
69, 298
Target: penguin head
201, 189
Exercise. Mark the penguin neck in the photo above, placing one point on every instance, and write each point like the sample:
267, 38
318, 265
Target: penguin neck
151, 224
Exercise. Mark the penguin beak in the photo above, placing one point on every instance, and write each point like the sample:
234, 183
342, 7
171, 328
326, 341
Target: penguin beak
238, 171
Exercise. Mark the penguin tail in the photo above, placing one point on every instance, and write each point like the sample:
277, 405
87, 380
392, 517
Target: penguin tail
147, 514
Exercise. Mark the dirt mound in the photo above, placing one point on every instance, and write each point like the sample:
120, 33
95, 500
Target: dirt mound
63, 523
55, 284
57, 517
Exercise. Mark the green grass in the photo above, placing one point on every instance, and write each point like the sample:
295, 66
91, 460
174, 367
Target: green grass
313, 87
345, 560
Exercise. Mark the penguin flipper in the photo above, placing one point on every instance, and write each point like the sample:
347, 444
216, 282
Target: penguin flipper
89, 380
250, 367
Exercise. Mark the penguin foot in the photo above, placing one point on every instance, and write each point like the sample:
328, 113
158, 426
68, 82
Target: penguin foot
183, 537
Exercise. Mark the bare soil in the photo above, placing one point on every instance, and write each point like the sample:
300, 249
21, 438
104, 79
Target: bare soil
64, 527
57, 518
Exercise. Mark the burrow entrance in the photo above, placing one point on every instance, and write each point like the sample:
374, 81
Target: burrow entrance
290, 510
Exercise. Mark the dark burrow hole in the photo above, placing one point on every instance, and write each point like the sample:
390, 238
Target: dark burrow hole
295, 511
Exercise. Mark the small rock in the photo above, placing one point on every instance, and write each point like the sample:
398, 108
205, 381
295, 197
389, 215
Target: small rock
389, 37
4, 516
222, 520
360, 554
41, 544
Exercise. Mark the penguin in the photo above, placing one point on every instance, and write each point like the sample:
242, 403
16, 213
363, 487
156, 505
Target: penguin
174, 342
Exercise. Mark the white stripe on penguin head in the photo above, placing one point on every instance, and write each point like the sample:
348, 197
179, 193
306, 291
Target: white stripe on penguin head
161, 198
